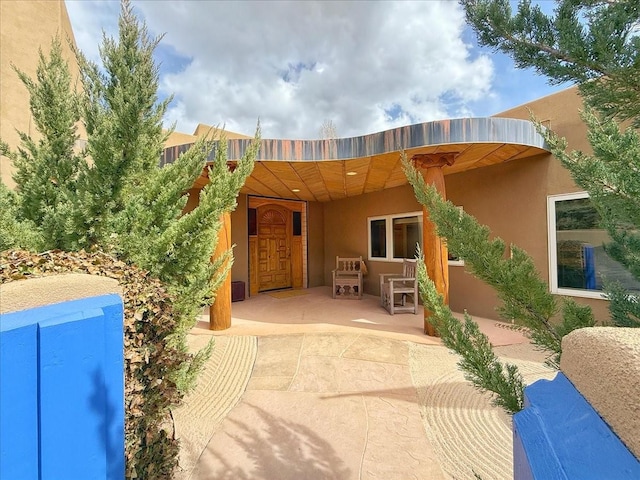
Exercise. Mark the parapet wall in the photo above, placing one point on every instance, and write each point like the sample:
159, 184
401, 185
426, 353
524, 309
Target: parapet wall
584, 424
603, 363
37, 292
61, 379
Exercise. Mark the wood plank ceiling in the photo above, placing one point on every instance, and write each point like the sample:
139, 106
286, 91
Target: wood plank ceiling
327, 170
325, 181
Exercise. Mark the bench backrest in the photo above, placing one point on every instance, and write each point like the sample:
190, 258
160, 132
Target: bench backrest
349, 265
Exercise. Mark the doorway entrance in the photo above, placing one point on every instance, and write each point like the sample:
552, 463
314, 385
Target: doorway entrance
277, 244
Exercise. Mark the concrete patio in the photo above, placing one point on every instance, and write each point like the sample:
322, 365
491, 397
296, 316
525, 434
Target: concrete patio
305, 386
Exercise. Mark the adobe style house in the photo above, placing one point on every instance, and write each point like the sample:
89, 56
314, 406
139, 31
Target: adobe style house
349, 197
307, 202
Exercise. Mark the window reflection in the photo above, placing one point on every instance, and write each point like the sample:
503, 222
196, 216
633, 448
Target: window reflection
581, 258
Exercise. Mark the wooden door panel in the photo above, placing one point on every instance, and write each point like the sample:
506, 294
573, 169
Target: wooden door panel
293, 253
274, 233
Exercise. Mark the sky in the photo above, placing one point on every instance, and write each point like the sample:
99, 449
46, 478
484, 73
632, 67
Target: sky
359, 66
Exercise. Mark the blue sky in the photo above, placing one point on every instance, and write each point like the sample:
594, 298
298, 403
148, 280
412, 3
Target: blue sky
364, 66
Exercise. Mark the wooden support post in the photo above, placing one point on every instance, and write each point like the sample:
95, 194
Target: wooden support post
220, 311
434, 249
193, 200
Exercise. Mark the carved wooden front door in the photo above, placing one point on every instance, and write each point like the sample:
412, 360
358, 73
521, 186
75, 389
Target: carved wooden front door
274, 247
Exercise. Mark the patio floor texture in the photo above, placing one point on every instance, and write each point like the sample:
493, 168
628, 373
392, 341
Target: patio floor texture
308, 387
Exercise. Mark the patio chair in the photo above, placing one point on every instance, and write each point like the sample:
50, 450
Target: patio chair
347, 278
396, 289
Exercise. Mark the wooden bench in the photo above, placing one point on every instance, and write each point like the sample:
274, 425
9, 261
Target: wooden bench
347, 278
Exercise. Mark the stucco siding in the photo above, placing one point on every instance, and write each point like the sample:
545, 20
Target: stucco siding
510, 199
316, 245
346, 231
25, 27
240, 238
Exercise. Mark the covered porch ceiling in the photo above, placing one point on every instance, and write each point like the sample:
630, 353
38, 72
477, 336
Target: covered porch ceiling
333, 169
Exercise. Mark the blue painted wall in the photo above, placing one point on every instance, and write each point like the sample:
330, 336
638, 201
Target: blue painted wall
62, 391
560, 436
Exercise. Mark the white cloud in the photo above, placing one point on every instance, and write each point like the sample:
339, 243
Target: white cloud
366, 66
89, 20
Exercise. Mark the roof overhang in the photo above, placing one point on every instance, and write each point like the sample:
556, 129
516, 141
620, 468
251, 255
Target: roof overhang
332, 169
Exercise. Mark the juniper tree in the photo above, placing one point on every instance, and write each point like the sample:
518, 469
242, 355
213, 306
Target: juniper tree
123, 118
15, 233
112, 195
594, 44
479, 363
525, 298
47, 168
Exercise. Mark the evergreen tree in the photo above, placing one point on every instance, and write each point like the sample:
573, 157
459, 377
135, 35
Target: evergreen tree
595, 44
15, 233
47, 169
129, 204
113, 196
123, 119
525, 298
479, 363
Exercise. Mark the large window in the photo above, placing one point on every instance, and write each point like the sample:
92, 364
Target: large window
394, 237
578, 262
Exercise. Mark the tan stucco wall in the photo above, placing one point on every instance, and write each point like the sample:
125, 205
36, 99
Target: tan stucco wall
561, 113
603, 363
37, 292
346, 235
316, 244
179, 138
26, 26
240, 238
500, 196
511, 198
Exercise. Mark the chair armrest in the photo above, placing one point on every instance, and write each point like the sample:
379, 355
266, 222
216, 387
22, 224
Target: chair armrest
389, 275
403, 279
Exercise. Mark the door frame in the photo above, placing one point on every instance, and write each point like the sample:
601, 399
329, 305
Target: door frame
298, 244
277, 244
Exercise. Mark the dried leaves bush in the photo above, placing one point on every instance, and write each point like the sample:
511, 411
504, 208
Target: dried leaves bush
151, 361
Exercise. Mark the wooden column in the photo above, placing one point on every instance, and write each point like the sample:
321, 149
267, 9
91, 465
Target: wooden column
193, 200
434, 249
220, 311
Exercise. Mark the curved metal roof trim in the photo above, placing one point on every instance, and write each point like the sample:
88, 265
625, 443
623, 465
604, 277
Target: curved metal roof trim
440, 132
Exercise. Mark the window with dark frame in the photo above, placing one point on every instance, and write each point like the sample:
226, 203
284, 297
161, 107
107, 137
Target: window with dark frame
252, 221
297, 224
